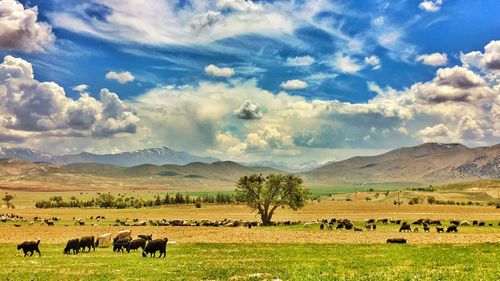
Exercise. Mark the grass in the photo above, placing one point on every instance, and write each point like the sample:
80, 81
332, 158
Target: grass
261, 262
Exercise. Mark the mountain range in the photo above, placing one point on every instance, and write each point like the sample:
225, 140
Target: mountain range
424, 164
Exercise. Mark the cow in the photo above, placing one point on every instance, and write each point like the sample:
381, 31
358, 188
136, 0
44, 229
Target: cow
156, 245
147, 237
427, 228
30, 246
73, 244
87, 242
481, 223
136, 244
103, 240
357, 229
440, 229
452, 228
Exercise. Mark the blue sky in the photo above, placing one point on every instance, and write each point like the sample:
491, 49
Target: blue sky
348, 60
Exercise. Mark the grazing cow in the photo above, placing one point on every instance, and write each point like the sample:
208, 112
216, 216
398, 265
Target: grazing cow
481, 223
136, 244
440, 229
427, 228
452, 228
490, 224
329, 226
49, 223
122, 234
321, 226
368, 227
374, 227
396, 241
474, 222
455, 222
73, 244
357, 229
103, 240
87, 242
156, 245
121, 244
405, 227
436, 222
147, 237
30, 246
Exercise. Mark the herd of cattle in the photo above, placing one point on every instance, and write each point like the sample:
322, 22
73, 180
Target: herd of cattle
121, 242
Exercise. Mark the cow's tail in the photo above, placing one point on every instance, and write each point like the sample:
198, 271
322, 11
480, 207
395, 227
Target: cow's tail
38, 242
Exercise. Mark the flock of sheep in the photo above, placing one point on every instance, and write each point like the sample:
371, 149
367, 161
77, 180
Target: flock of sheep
122, 241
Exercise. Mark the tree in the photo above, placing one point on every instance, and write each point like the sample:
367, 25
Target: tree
7, 198
266, 194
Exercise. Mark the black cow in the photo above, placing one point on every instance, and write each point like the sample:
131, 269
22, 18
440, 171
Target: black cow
30, 246
147, 237
156, 245
136, 244
73, 244
440, 229
87, 242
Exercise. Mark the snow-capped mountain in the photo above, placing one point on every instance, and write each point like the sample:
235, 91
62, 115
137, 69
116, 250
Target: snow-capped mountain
25, 154
156, 156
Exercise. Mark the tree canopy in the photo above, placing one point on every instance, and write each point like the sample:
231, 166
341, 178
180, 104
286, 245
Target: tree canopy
266, 194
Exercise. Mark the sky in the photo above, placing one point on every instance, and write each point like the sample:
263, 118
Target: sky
245, 80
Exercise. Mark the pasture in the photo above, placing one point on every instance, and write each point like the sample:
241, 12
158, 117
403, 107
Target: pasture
261, 261
283, 252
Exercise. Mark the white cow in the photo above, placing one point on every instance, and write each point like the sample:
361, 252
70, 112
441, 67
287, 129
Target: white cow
103, 240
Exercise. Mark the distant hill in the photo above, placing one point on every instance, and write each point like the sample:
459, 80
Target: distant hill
289, 168
155, 156
426, 163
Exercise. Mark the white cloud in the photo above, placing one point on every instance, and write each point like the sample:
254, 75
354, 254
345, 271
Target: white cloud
35, 108
488, 61
374, 61
80, 88
121, 77
239, 5
379, 21
219, 71
300, 61
294, 84
20, 30
346, 64
434, 59
431, 6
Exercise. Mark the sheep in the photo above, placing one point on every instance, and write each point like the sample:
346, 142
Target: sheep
30, 246
147, 237
121, 244
156, 245
73, 244
103, 240
136, 244
87, 241
464, 223
122, 234
396, 241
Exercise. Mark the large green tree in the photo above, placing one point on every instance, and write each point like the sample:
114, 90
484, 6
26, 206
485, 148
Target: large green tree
266, 194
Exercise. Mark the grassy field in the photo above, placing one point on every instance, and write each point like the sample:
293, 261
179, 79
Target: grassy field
261, 262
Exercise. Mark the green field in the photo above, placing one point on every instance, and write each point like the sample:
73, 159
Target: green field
261, 262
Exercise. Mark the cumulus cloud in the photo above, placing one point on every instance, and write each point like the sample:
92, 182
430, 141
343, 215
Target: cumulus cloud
20, 30
30, 106
120, 77
248, 111
239, 5
300, 61
488, 61
219, 71
294, 84
374, 61
346, 64
431, 6
81, 88
434, 59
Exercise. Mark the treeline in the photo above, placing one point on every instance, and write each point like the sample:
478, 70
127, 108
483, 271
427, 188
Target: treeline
107, 200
